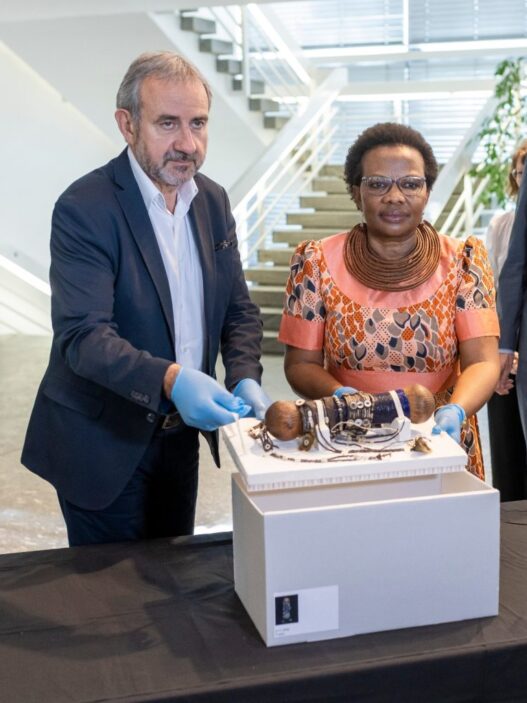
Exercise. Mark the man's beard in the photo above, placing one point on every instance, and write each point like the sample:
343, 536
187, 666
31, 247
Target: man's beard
170, 177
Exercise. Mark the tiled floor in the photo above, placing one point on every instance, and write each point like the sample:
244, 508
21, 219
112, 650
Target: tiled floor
29, 514
30, 518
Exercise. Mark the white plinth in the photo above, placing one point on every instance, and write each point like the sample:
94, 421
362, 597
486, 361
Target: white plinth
319, 563
286, 467
361, 546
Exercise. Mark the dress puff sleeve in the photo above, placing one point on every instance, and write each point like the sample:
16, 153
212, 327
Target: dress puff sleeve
475, 300
303, 318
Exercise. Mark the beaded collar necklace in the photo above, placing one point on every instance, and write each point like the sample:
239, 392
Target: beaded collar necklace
408, 272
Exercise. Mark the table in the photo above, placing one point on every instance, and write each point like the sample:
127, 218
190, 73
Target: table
159, 621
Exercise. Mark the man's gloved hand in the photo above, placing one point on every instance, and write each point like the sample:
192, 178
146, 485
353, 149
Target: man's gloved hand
449, 419
344, 389
254, 395
202, 402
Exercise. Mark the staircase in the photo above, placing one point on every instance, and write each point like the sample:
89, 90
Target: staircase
227, 62
451, 218
326, 211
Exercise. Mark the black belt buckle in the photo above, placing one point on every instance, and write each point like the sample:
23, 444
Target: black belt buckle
170, 421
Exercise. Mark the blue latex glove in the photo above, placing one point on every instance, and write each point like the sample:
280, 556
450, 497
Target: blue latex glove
254, 395
344, 389
449, 419
202, 402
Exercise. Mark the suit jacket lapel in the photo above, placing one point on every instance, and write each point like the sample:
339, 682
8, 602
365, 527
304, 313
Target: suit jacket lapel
202, 232
132, 203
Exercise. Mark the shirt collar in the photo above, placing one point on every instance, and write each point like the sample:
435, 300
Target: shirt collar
151, 193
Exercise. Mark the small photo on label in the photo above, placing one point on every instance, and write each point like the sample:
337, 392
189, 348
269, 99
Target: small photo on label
286, 609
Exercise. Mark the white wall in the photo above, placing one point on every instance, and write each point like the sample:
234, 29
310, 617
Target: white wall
45, 144
59, 79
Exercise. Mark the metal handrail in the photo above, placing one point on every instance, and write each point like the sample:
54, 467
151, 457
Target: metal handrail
459, 163
256, 207
320, 155
453, 213
304, 143
271, 60
459, 166
265, 58
466, 201
229, 19
278, 45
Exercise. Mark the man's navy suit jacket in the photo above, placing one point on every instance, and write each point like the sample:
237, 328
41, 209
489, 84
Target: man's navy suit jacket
101, 396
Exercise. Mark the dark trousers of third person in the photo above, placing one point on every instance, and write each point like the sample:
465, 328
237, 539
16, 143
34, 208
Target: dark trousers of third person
507, 447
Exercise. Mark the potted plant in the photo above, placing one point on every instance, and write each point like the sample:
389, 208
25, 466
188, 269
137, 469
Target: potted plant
504, 129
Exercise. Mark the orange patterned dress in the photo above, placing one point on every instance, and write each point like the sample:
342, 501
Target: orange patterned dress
376, 340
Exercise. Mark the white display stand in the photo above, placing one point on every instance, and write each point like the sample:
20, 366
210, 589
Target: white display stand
262, 471
322, 561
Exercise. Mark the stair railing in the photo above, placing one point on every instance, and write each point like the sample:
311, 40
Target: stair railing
264, 53
272, 200
269, 57
465, 211
229, 21
304, 145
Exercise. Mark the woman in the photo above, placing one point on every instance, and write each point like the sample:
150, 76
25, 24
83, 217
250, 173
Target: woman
393, 302
507, 443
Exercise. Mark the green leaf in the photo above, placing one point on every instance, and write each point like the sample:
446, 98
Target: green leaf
501, 132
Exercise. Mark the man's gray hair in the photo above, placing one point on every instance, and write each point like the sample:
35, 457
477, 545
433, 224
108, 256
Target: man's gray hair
164, 65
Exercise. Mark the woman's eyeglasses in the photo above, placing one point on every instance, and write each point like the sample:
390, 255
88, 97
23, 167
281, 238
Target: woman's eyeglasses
380, 185
517, 173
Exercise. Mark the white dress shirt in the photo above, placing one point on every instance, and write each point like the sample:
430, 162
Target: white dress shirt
497, 241
182, 265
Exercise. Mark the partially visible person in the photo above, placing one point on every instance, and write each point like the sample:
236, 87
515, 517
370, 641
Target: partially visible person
147, 287
507, 443
392, 302
512, 311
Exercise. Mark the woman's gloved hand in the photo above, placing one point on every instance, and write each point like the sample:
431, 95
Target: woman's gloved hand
202, 402
253, 395
449, 418
344, 389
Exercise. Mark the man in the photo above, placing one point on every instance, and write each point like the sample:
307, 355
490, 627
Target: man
147, 288
512, 311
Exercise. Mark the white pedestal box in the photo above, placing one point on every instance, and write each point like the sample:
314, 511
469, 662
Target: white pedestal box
320, 562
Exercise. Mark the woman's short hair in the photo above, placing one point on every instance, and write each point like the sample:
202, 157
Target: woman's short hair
165, 65
388, 134
519, 155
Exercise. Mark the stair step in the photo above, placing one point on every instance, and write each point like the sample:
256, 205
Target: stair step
231, 66
328, 202
273, 275
294, 237
257, 86
279, 256
212, 45
332, 170
263, 105
330, 184
199, 25
275, 121
267, 296
304, 156
451, 201
271, 317
337, 220
271, 345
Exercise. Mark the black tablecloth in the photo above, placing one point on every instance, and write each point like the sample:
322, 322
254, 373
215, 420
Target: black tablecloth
159, 621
